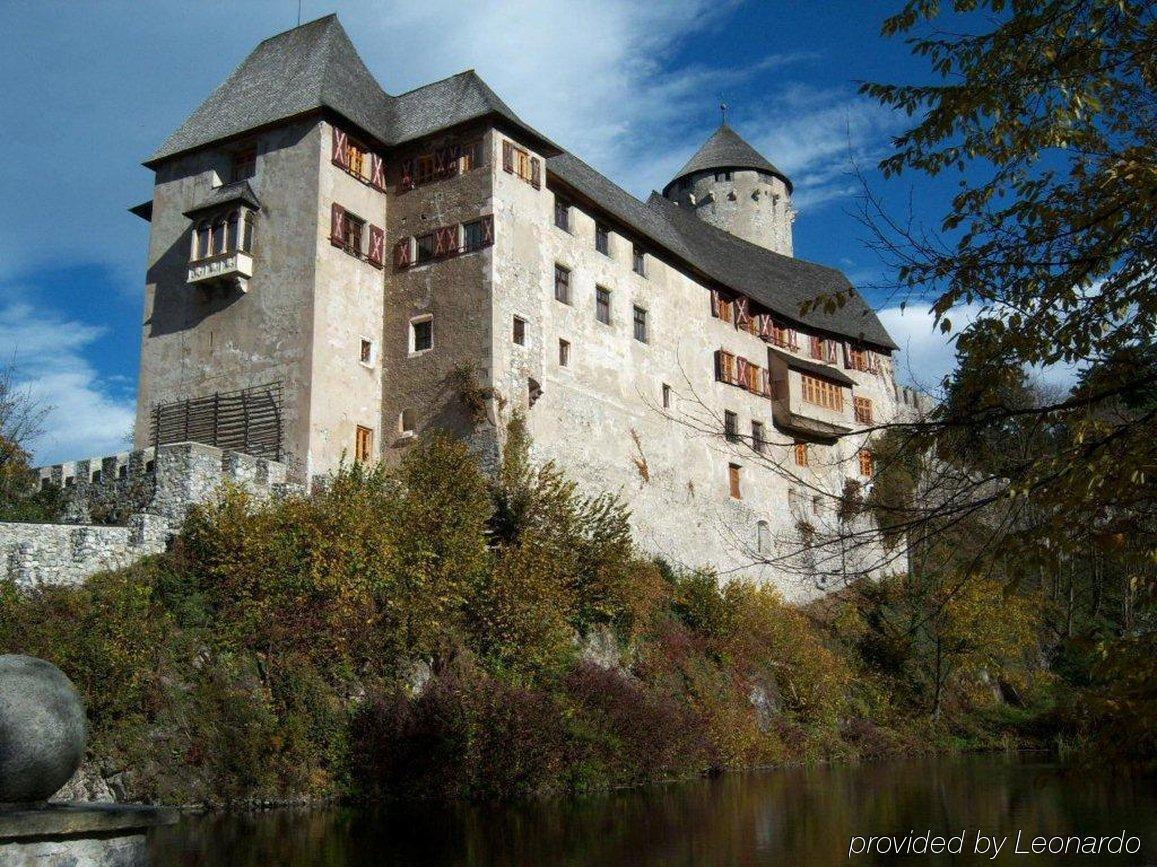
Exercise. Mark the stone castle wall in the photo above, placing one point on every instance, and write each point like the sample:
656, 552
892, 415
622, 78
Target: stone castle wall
148, 494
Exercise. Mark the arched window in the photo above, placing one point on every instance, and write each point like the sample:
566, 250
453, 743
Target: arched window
762, 537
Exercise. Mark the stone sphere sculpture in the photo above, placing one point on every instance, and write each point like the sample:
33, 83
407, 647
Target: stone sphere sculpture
42, 729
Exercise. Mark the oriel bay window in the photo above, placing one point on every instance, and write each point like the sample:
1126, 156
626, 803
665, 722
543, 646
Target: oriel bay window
822, 393
230, 232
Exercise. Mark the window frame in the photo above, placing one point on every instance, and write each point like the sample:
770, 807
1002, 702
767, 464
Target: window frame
802, 454
639, 323
369, 359
822, 392
666, 393
730, 426
363, 444
240, 157
603, 304
867, 462
415, 321
862, 408
518, 331
735, 481
639, 260
563, 352
603, 239
562, 207
564, 272
757, 440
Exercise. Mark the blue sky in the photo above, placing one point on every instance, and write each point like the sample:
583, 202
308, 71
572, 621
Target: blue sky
631, 87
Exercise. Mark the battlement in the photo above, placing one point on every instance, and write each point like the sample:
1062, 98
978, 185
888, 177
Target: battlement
125, 506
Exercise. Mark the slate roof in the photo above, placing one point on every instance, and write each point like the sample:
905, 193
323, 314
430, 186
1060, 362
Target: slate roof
315, 66
782, 284
726, 149
225, 195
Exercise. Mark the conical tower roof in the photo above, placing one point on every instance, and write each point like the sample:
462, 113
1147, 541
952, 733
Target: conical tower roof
726, 149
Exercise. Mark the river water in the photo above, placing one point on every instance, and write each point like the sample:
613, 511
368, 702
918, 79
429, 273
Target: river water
806, 815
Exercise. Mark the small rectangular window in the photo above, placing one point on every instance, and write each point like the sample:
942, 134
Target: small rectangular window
603, 305
424, 166
603, 239
473, 236
801, 454
733, 480
666, 396
757, 436
471, 155
863, 409
406, 422
817, 347
354, 232
563, 353
366, 354
640, 261
425, 246
562, 213
421, 335
519, 331
866, 463
363, 445
562, 284
822, 393
731, 426
640, 324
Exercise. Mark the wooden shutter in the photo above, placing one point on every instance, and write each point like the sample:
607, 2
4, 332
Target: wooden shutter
536, 173
715, 303
765, 385
847, 356
763, 322
377, 173
487, 230
337, 225
406, 179
741, 315
341, 148
508, 157
445, 241
402, 253
440, 163
741, 372
719, 365
377, 245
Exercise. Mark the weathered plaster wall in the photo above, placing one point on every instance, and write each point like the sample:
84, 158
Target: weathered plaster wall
601, 417
347, 306
455, 292
197, 341
752, 205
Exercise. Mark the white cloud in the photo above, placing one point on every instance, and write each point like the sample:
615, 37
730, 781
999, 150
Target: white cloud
927, 355
87, 417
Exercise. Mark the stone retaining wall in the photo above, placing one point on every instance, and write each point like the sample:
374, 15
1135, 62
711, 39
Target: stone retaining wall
154, 490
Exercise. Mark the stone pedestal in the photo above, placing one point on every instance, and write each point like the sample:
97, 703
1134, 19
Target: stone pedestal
77, 835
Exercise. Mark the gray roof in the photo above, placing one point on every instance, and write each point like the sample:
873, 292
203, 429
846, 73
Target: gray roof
315, 66
782, 284
726, 149
225, 195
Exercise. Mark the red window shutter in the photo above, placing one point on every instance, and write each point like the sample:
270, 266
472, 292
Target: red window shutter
377, 173
766, 377
337, 224
488, 230
741, 372
715, 303
402, 253
440, 162
377, 245
341, 152
453, 160
847, 357
535, 173
445, 241
763, 323
406, 181
741, 315
508, 157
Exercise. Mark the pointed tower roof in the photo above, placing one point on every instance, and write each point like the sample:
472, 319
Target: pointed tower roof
726, 149
297, 71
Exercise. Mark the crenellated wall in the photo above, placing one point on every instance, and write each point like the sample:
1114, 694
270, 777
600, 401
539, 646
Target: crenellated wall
147, 493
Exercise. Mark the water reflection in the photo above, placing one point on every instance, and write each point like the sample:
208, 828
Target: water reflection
792, 816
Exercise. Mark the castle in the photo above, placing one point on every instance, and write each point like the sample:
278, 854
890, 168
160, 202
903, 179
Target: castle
334, 273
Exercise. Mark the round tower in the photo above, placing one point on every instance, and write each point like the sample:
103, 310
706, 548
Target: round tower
729, 184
